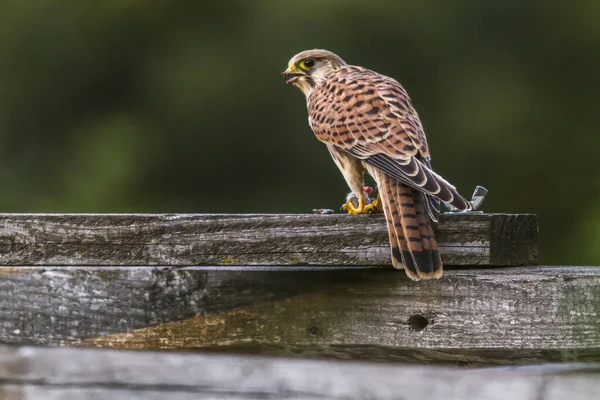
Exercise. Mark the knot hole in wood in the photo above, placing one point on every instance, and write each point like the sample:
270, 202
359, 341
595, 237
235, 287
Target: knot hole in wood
417, 322
312, 330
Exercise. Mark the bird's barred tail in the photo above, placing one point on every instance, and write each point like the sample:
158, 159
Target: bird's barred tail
413, 244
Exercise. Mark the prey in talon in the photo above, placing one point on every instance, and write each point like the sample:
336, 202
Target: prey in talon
353, 199
372, 206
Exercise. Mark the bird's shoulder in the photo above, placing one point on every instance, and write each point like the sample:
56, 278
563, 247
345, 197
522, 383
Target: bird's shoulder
349, 83
349, 76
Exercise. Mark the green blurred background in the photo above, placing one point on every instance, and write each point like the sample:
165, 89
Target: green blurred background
179, 106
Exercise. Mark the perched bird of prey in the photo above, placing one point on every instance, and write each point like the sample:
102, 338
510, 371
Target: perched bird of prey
368, 123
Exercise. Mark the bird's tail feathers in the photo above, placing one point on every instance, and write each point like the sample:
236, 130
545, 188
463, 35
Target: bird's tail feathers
412, 241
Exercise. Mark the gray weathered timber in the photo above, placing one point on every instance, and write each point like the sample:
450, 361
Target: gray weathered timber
38, 373
525, 312
470, 317
60, 305
186, 240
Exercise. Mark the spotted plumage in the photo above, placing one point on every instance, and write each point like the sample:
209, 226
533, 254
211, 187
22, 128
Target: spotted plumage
368, 123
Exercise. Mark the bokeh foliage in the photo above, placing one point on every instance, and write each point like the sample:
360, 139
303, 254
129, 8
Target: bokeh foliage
178, 106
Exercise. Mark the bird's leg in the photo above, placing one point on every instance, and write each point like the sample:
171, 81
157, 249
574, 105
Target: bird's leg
353, 171
375, 206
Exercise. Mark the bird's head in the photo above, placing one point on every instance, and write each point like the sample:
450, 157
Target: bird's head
308, 69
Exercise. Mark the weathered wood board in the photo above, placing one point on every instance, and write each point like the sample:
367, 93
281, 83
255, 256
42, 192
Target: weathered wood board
187, 240
47, 374
469, 317
62, 305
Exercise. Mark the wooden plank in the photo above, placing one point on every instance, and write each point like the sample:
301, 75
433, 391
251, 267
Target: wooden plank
60, 305
39, 373
248, 240
486, 317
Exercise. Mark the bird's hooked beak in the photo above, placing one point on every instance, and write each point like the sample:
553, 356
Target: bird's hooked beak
291, 74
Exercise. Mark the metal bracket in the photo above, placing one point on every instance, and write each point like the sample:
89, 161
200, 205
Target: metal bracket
476, 199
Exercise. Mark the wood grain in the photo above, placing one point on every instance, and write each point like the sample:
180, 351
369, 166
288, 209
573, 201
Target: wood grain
61, 305
251, 240
551, 311
38, 373
470, 317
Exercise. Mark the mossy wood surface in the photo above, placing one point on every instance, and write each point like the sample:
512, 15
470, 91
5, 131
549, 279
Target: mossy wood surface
47, 374
253, 240
519, 315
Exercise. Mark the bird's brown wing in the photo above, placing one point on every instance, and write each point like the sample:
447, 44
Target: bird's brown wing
370, 116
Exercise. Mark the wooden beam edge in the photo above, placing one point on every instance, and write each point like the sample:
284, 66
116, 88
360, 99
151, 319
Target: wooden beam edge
305, 239
248, 377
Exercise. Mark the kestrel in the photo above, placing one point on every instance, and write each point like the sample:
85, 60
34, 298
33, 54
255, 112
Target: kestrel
368, 123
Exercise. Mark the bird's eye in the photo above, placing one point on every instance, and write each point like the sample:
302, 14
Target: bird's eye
308, 63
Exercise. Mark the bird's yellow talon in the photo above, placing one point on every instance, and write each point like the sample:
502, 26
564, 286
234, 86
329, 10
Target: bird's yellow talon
375, 206
352, 209
371, 209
